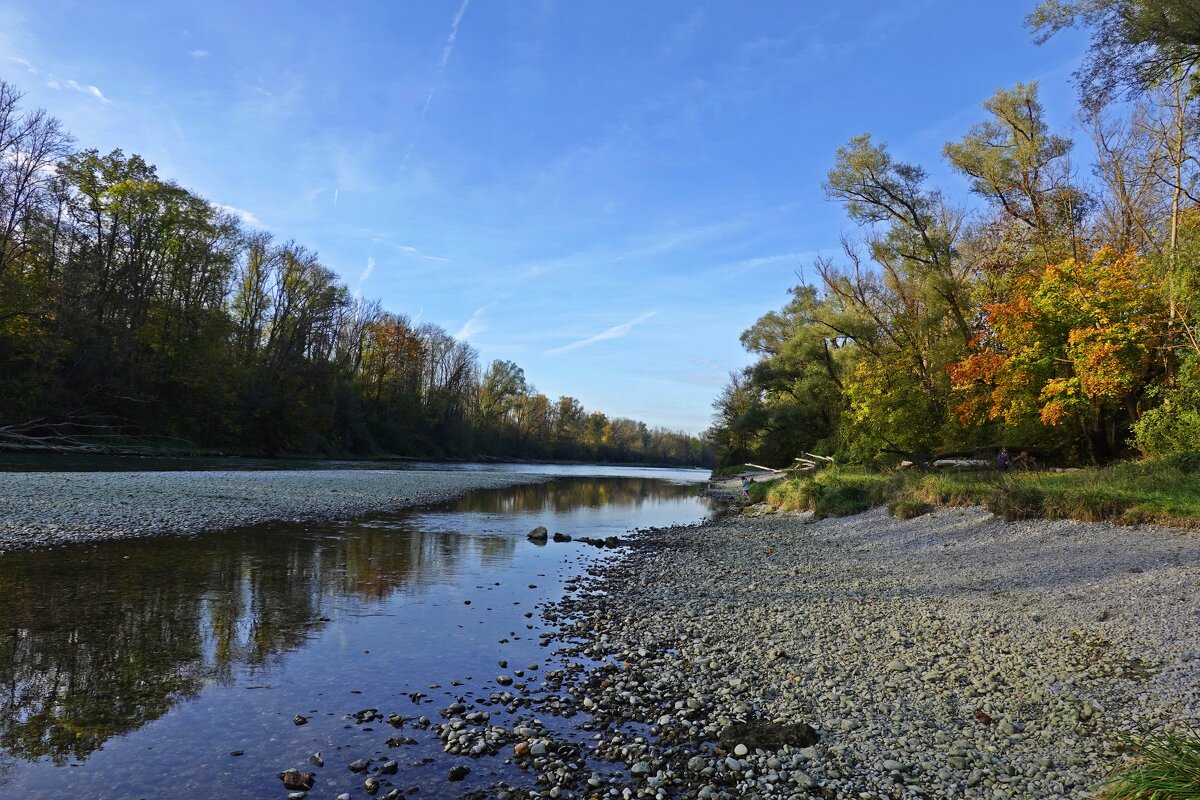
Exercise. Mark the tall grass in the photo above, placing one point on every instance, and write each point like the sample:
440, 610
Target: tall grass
1165, 492
1166, 767
830, 493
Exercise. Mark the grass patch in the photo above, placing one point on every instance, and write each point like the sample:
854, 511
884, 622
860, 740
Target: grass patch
908, 508
760, 490
1015, 502
945, 488
829, 493
1166, 767
1165, 492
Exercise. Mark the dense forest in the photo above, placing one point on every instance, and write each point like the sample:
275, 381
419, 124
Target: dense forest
1056, 309
133, 310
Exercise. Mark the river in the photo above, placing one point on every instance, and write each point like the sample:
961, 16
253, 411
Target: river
204, 666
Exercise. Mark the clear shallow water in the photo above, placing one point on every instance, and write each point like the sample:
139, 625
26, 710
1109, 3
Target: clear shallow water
134, 669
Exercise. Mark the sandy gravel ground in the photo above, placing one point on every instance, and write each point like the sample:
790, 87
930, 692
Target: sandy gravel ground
953, 655
39, 509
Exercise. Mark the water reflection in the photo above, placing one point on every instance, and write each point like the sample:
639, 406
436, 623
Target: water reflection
98, 641
568, 495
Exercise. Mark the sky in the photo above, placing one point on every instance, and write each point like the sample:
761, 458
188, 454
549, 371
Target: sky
607, 192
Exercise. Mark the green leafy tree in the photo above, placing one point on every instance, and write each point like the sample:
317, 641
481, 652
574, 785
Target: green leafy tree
1136, 44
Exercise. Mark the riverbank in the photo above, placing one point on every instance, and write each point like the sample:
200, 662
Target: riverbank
953, 655
44, 509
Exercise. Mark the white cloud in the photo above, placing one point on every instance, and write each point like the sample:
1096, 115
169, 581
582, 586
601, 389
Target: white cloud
405, 249
55, 83
366, 273
25, 64
242, 214
475, 325
446, 51
615, 332
199, 54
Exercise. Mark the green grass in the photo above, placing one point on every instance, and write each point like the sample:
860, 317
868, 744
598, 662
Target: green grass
908, 508
1166, 767
1164, 492
829, 493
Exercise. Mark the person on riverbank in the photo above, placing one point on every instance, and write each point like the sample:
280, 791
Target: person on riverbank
1003, 459
746, 487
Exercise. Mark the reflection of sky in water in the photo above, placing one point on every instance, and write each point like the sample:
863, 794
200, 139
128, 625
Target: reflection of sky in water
138, 666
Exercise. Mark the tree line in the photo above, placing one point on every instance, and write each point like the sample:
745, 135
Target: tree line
1056, 310
130, 306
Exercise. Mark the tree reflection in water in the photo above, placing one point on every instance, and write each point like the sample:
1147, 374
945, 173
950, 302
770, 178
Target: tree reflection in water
98, 641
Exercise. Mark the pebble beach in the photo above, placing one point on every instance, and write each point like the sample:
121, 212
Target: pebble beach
42, 509
953, 655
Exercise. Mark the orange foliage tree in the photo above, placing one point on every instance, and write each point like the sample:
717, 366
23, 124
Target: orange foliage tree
1074, 345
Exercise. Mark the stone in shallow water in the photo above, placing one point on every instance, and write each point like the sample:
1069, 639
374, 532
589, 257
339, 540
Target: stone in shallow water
294, 779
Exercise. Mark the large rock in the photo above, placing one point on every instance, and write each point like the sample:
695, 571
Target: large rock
764, 735
539, 534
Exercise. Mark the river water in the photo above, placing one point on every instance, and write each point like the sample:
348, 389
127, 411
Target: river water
176, 667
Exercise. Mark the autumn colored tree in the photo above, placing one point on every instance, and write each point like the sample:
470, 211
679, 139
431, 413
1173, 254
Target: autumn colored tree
1075, 349
130, 305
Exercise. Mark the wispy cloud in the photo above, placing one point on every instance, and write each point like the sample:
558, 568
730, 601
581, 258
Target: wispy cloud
366, 273
475, 325
57, 83
615, 332
199, 54
240, 213
447, 50
25, 64
54, 83
404, 249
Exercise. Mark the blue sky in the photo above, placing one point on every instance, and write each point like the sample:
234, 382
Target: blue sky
606, 192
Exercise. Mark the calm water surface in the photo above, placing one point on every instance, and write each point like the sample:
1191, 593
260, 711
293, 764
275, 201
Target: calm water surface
134, 669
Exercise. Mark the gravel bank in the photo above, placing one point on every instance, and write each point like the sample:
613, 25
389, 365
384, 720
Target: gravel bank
948, 656
40, 509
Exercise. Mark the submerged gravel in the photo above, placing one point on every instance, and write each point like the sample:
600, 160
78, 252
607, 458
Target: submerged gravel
951, 656
40, 509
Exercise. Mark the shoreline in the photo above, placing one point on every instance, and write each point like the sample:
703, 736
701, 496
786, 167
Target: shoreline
953, 655
49, 509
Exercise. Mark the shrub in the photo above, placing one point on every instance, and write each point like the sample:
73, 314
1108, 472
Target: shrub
1173, 428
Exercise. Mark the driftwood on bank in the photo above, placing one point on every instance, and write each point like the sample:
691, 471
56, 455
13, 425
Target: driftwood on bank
71, 436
